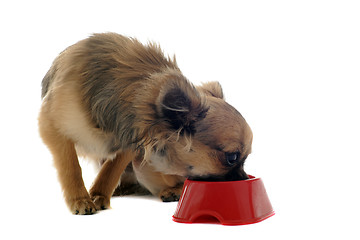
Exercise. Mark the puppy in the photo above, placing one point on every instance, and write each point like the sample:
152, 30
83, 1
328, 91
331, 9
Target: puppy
119, 102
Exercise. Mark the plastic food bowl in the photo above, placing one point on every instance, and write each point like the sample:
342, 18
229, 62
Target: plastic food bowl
227, 203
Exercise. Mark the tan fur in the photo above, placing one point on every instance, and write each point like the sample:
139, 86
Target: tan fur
111, 98
66, 162
108, 178
155, 181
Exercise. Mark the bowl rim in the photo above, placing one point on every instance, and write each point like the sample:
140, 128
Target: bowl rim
251, 178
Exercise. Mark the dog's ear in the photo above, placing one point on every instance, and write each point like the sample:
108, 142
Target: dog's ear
212, 89
181, 105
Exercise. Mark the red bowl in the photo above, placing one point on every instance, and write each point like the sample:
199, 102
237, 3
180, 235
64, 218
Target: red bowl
227, 203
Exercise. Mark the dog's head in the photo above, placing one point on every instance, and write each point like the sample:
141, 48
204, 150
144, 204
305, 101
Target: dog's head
202, 136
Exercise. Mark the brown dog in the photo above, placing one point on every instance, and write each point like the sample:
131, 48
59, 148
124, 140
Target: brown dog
116, 101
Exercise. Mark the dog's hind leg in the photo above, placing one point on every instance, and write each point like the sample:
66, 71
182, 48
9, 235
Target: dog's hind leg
167, 187
129, 185
171, 194
108, 179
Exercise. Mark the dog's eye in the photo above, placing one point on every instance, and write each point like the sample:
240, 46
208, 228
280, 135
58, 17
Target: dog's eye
232, 158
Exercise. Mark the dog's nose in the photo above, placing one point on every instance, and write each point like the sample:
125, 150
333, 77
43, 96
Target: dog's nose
236, 174
243, 175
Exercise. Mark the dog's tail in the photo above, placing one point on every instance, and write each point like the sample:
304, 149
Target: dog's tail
47, 81
50, 75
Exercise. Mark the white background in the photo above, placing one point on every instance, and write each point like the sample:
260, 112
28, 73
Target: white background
292, 68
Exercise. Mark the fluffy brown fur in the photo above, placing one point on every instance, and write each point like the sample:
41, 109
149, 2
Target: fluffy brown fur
117, 101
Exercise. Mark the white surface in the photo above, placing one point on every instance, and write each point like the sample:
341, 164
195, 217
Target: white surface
292, 70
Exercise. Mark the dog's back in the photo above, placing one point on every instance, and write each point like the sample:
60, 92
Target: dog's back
96, 83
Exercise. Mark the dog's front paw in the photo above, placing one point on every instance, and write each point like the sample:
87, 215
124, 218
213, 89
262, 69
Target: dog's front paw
170, 194
82, 206
101, 202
